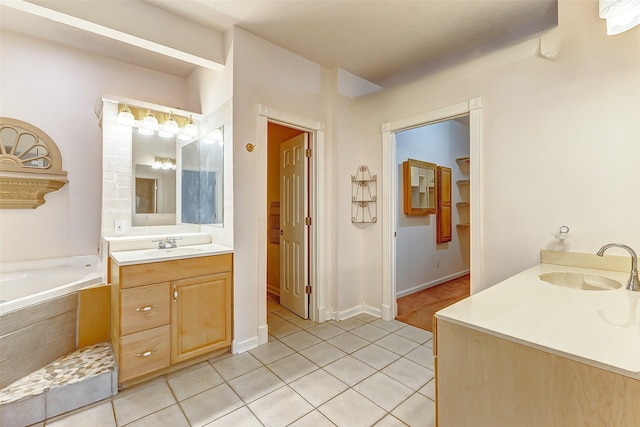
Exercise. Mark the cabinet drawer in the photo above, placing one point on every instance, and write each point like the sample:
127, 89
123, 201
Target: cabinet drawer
165, 271
143, 352
144, 307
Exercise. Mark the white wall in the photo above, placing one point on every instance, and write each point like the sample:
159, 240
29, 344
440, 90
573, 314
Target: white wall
56, 88
420, 261
560, 139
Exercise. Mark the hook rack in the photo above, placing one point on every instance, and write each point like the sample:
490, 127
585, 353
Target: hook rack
363, 196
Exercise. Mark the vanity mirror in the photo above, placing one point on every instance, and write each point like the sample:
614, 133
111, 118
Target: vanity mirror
419, 185
154, 172
201, 176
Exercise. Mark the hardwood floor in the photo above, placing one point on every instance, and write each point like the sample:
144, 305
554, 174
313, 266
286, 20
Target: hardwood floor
418, 308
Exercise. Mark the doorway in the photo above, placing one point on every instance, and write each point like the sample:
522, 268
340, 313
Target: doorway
288, 208
472, 108
432, 250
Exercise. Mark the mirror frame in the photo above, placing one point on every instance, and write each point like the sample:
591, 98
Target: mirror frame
407, 188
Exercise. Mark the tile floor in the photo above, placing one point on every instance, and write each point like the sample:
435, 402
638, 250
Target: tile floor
358, 372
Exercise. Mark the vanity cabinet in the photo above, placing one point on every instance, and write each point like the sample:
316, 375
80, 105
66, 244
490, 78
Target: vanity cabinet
169, 312
483, 381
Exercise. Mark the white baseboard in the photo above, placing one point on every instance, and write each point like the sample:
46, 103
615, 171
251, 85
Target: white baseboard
431, 284
354, 311
242, 346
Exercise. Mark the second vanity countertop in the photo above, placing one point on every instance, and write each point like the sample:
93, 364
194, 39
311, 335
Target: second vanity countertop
181, 252
599, 328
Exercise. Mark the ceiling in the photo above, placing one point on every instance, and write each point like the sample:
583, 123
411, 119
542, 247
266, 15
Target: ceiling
375, 40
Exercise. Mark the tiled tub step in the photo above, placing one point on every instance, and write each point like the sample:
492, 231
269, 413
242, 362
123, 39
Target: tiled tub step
85, 376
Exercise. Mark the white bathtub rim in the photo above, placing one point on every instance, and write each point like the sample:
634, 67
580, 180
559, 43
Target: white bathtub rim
41, 264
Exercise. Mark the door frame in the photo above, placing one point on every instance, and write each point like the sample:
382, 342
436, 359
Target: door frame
317, 234
389, 204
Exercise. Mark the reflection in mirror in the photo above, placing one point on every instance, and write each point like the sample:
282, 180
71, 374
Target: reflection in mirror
154, 195
419, 187
202, 186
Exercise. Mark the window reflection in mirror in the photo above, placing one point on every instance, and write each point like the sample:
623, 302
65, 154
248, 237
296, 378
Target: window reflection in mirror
202, 174
154, 169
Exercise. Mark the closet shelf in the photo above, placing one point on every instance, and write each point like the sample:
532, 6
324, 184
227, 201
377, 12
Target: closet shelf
462, 204
463, 182
463, 225
461, 160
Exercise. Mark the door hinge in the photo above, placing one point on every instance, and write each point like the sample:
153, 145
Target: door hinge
307, 289
307, 152
307, 220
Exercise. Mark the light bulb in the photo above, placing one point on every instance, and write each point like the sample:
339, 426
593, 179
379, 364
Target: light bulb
125, 117
170, 126
150, 122
191, 129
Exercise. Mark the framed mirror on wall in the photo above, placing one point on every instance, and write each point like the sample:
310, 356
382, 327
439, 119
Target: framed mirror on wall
419, 187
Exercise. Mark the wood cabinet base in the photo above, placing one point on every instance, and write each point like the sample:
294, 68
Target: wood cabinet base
483, 380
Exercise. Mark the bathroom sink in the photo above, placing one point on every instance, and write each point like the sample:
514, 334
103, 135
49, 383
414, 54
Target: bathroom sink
153, 253
587, 282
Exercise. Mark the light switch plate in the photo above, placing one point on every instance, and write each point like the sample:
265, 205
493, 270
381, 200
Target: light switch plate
119, 227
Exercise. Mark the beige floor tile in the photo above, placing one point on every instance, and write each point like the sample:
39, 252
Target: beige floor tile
366, 317
302, 323
142, 400
429, 389
416, 411
300, 340
171, 416
409, 373
322, 354
271, 351
282, 329
415, 334
318, 387
347, 324
350, 409
239, 418
325, 331
280, 408
375, 356
285, 314
348, 342
390, 421
384, 391
397, 344
210, 405
236, 365
422, 356
292, 367
369, 332
191, 381
388, 325
97, 416
256, 384
349, 370
313, 419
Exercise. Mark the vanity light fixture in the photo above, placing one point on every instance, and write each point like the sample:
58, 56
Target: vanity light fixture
170, 127
150, 122
125, 117
157, 164
620, 15
190, 128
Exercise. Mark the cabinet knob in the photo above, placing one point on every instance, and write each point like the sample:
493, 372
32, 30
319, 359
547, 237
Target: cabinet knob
175, 294
146, 309
146, 353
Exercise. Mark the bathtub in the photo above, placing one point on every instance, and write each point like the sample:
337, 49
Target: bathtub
26, 283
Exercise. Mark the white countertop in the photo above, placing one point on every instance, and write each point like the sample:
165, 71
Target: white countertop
181, 252
599, 328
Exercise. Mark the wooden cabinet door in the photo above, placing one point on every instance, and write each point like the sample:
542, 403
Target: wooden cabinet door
443, 216
200, 315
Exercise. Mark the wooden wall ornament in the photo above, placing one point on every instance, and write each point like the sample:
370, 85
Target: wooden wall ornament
30, 165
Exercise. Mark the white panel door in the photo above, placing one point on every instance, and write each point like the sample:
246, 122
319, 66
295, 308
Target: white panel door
293, 231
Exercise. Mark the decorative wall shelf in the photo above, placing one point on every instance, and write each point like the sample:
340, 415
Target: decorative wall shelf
363, 196
463, 187
30, 165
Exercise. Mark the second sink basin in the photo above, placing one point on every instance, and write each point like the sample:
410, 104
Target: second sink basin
587, 282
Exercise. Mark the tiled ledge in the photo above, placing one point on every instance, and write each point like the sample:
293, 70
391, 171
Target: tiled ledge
77, 379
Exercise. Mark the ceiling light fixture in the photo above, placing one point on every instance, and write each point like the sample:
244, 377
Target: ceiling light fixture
620, 15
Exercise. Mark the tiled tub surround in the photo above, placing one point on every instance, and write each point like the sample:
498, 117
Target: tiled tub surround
77, 379
39, 317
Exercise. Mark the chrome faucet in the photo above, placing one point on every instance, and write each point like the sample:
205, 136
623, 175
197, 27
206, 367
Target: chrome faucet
634, 283
166, 243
